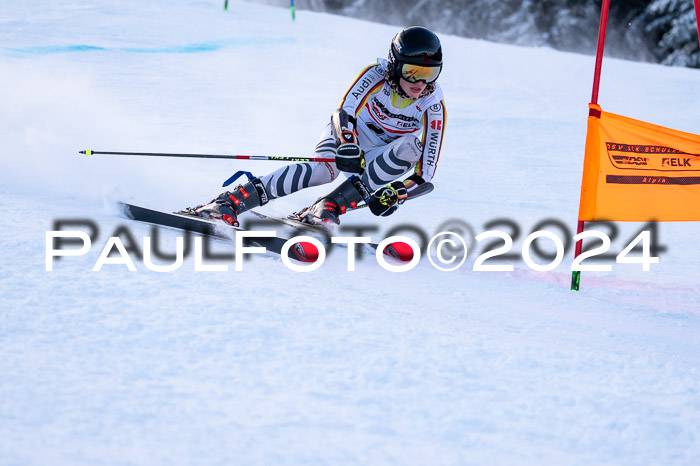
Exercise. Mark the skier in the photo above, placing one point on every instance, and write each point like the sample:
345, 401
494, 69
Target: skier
390, 122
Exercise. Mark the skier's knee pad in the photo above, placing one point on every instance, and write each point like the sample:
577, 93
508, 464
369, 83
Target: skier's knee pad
323, 172
410, 149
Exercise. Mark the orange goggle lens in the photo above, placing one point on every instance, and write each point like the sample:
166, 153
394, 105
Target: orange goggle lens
415, 73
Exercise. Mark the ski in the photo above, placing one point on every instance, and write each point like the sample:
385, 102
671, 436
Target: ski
301, 251
206, 227
307, 252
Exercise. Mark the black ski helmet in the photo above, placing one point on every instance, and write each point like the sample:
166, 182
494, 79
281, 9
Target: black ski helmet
415, 45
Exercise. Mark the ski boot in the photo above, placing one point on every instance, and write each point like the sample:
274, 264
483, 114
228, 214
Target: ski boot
326, 210
230, 204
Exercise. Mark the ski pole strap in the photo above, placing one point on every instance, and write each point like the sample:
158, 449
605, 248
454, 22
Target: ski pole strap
237, 175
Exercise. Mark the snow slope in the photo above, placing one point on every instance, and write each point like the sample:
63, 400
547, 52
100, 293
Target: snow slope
270, 366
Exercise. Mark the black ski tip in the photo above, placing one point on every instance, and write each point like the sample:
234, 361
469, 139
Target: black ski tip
126, 210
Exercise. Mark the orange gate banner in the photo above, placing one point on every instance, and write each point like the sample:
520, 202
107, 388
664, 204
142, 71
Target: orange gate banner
636, 171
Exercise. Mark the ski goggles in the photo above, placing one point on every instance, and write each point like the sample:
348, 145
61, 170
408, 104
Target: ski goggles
415, 73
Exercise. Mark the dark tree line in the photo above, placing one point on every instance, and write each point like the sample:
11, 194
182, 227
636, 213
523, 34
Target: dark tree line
662, 31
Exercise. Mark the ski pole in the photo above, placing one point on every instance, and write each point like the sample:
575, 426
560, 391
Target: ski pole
213, 156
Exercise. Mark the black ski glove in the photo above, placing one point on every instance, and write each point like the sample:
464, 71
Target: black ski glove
349, 156
386, 200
